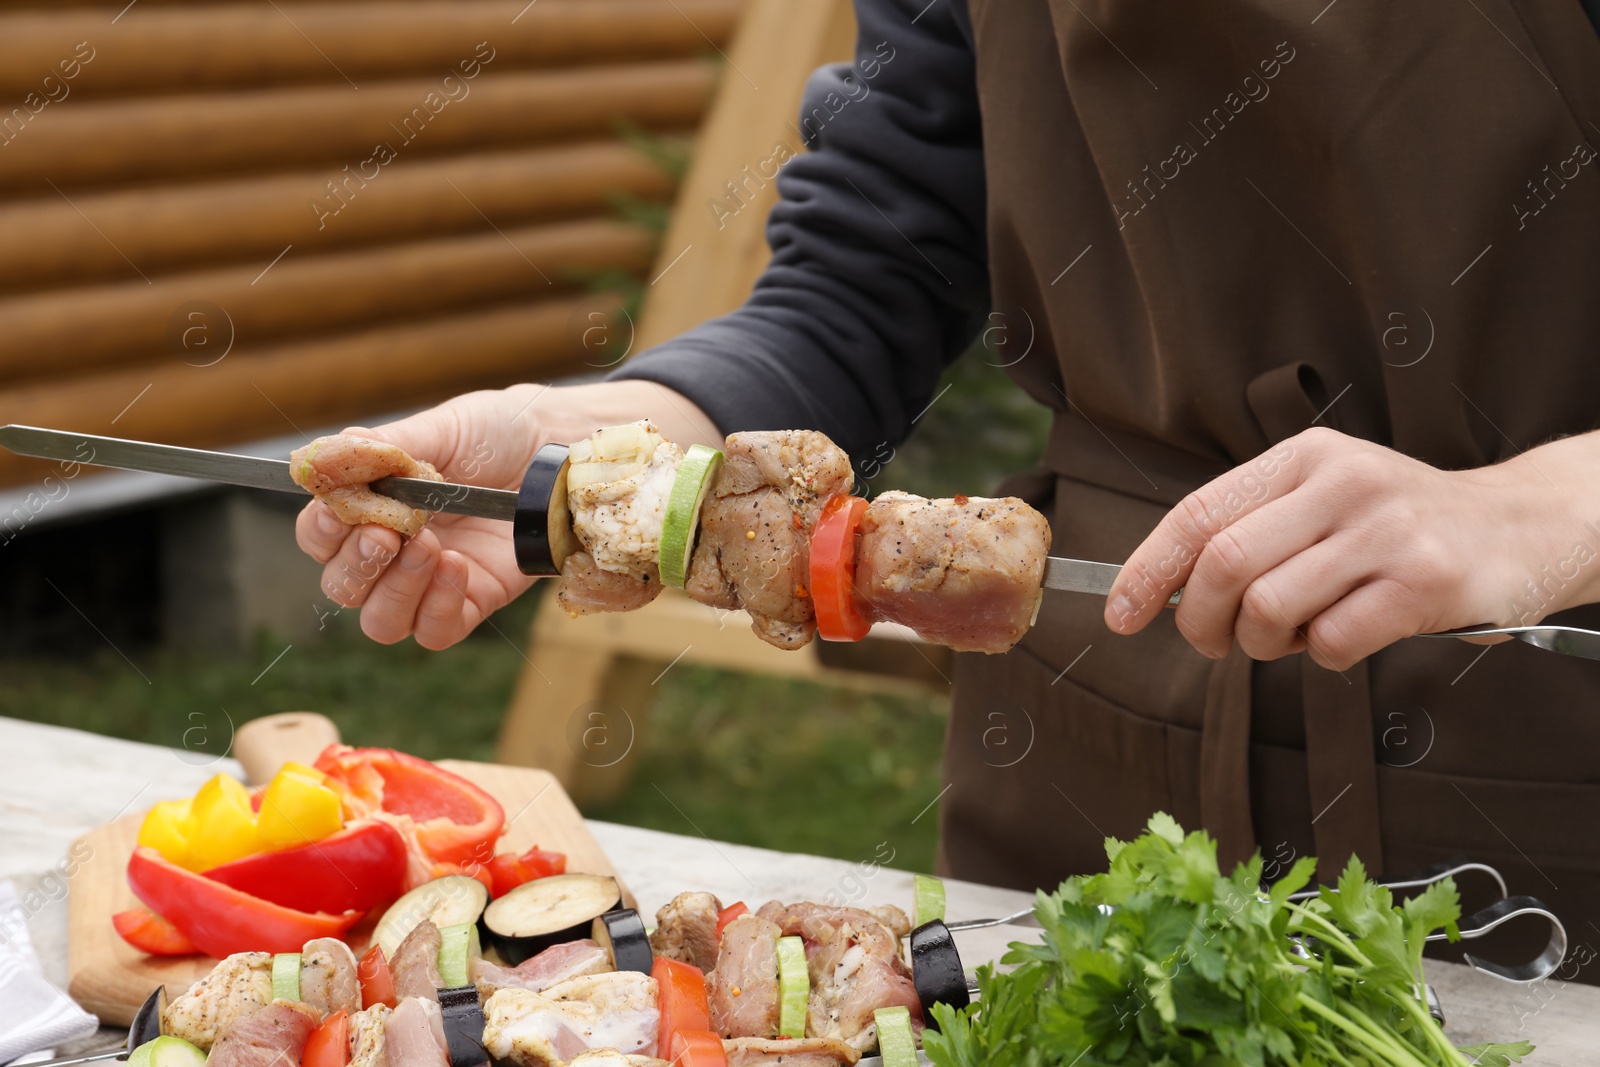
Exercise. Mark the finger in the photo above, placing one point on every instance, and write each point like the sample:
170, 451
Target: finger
390, 611
318, 531
350, 576
1372, 616
1276, 607
1236, 559
445, 615
1161, 565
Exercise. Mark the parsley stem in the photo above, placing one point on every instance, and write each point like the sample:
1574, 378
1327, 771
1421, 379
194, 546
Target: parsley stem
1329, 933
1393, 1054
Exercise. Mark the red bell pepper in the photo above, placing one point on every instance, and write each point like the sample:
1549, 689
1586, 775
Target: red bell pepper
377, 981
508, 871
697, 1048
357, 869
149, 932
455, 821
833, 571
221, 920
681, 995
329, 1044
730, 913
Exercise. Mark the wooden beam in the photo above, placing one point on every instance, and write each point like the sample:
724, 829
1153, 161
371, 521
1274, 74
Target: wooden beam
135, 234
196, 317
276, 390
185, 47
185, 137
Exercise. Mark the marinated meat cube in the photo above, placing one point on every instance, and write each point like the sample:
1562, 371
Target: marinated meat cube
743, 990
755, 529
338, 468
686, 929
964, 572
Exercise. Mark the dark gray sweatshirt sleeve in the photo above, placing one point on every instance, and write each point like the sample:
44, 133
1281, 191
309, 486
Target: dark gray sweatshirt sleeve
878, 276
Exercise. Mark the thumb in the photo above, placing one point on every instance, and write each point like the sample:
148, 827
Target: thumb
429, 435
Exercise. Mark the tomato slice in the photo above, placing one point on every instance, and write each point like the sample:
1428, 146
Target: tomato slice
329, 1044
681, 994
730, 913
377, 982
149, 932
507, 871
833, 570
697, 1048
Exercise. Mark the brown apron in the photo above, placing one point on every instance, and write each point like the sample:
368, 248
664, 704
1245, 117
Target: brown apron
1217, 224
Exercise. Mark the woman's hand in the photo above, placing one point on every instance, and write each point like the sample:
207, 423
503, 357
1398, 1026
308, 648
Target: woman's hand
460, 569
1338, 546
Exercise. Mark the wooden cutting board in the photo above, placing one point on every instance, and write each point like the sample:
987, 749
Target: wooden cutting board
111, 979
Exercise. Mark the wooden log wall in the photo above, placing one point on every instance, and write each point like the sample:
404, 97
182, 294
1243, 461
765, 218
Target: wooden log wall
222, 221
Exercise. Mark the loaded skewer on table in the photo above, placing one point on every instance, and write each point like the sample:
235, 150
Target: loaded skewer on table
766, 524
805, 985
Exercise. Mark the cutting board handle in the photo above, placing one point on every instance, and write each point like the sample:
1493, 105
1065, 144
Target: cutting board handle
265, 744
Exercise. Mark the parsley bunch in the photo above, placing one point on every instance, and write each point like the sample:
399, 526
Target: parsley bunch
1162, 960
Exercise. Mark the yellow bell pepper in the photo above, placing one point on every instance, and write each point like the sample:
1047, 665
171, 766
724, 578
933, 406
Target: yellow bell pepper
298, 808
222, 826
166, 829
303, 771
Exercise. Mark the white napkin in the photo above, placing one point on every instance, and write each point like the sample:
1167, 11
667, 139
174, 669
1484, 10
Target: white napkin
33, 1013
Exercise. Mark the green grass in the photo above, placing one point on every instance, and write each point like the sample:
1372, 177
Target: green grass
753, 760
792, 766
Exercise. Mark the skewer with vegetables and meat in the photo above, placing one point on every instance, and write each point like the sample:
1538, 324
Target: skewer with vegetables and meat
1162, 954
766, 524
805, 985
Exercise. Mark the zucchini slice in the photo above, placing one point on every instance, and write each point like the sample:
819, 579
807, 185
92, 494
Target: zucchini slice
286, 976
547, 911
167, 1052
458, 944
621, 933
695, 476
896, 1044
936, 969
927, 900
447, 901
463, 1026
794, 987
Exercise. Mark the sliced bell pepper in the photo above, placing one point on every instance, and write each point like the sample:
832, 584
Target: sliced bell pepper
456, 822
149, 932
297, 808
221, 920
377, 981
507, 871
697, 1048
329, 1044
730, 913
833, 571
221, 826
166, 829
681, 996
356, 869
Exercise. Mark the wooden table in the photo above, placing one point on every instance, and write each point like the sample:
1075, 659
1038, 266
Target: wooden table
56, 784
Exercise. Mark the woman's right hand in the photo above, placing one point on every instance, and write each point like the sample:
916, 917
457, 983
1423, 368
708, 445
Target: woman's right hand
459, 570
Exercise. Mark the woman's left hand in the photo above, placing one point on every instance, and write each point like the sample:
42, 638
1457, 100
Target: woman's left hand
1337, 546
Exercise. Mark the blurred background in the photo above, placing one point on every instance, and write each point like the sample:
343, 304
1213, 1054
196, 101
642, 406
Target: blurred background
242, 225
